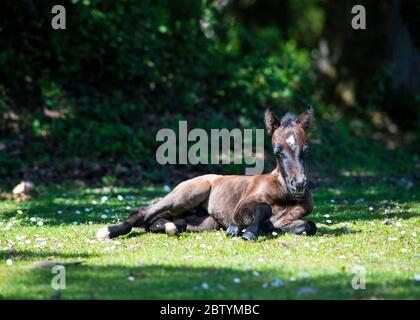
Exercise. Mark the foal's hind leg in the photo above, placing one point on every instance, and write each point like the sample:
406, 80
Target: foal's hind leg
191, 223
187, 195
199, 223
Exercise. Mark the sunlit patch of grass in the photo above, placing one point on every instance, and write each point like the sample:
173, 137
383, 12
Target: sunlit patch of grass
373, 226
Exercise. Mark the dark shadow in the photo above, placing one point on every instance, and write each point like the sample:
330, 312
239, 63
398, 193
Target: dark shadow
183, 282
47, 205
137, 232
334, 231
26, 254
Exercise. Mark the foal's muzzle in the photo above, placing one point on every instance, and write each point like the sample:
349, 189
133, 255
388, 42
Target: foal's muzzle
298, 186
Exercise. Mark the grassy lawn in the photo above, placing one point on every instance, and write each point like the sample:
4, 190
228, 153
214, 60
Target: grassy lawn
371, 225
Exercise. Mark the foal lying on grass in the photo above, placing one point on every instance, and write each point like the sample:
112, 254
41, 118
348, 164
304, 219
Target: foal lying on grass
273, 202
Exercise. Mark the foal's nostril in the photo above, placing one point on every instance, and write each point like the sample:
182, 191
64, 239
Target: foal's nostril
291, 184
301, 184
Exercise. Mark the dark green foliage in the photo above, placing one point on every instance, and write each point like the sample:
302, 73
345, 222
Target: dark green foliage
97, 92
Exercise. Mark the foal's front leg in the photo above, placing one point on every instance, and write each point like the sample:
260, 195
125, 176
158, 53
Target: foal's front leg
291, 220
262, 212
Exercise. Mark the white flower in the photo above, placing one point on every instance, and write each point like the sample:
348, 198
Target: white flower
307, 245
274, 233
398, 224
403, 232
104, 199
326, 215
33, 219
371, 209
255, 273
329, 221
77, 212
293, 279
166, 188
403, 250
40, 223
131, 278
59, 212
392, 239
104, 216
332, 201
87, 209
277, 283
120, 197
236, 280
19, 211
203, 246
264, 285
414, 234
28, 241
205, 285
9, 262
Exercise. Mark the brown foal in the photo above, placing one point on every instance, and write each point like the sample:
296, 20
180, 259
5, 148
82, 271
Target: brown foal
244, 205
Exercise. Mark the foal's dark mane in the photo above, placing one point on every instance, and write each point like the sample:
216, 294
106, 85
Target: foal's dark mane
288, 119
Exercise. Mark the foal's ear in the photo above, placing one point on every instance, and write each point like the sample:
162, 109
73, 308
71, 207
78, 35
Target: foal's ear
271, 121
306, 118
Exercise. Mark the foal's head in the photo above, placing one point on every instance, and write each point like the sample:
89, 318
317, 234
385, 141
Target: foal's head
290, 143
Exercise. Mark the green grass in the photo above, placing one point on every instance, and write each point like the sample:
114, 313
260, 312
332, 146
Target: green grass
319, 267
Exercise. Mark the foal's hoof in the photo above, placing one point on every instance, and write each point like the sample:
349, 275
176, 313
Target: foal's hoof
103, 234
249, 236
170, 229
113, 231
309, 228
233, 231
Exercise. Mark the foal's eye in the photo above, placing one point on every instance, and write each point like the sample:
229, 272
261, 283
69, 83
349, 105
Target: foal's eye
305, 148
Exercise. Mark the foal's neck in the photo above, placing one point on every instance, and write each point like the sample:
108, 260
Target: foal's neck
277, 172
